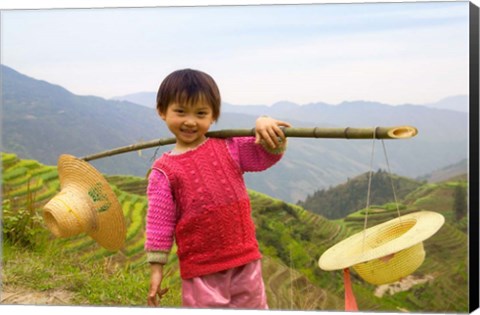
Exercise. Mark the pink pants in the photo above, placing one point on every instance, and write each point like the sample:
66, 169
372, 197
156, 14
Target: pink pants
240, 287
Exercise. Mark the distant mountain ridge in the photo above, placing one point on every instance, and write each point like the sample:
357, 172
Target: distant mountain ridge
447, 173
42, 121
455, 103
356, 114
147, 99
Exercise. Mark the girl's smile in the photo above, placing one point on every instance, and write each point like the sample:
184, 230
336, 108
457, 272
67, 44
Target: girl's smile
189, 124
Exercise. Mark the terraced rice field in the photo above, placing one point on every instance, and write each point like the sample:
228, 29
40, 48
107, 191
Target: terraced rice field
24, 179
294, 281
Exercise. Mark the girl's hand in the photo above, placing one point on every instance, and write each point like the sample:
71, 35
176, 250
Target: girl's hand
268, 130
155, 285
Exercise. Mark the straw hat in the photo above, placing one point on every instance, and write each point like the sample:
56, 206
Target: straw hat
85, 204
386, 252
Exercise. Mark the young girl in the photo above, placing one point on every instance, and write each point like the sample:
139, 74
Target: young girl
196, 193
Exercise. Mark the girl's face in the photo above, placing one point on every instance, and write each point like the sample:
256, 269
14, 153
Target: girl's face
189, 123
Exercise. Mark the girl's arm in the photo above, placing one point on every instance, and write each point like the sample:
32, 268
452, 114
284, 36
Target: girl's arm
159, 232
161, 218
255, 154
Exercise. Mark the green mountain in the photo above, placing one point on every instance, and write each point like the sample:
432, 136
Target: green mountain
342, 200
41, 121
291, 238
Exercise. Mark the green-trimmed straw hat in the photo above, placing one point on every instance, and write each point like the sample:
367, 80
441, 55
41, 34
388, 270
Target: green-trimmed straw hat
386, 252
85, 204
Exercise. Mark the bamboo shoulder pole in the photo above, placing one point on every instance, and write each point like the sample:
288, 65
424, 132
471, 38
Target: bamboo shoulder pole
398, 132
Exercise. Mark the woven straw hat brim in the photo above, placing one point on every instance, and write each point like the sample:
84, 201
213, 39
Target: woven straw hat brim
110, 228
382, 240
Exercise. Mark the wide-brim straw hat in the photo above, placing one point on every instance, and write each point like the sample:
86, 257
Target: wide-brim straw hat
85, 204
386, 252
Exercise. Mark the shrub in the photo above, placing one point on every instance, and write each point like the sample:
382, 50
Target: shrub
23, 226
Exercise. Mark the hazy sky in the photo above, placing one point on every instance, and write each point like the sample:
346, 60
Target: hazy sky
393, 53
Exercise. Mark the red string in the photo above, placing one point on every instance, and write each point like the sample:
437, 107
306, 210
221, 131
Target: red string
350, 302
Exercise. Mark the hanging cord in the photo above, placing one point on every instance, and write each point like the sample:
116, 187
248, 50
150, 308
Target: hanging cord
350, 301
391, 178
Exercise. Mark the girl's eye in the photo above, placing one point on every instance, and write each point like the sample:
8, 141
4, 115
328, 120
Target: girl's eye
178, 110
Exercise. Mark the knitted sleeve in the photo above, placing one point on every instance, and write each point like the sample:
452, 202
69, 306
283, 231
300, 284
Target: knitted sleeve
252, 157
161, 218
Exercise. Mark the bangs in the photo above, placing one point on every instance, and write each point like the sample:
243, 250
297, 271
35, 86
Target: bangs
190, 99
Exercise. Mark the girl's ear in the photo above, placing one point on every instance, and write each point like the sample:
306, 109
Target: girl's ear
162, 115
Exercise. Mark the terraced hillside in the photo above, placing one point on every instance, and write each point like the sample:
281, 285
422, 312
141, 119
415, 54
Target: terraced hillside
446, 261
27, 179
291, 239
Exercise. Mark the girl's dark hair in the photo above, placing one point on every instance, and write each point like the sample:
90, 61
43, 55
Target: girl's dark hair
188, 86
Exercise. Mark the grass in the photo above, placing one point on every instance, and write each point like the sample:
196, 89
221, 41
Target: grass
100, 282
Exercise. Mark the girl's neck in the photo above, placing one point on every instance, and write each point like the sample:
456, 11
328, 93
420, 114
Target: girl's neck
180, 148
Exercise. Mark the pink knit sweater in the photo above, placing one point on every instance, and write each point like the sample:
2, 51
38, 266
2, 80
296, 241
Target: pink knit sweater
163, 215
